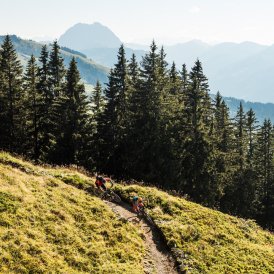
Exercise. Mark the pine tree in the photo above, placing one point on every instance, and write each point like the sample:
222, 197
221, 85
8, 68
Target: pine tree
72, 135
162, 71
198, 164
33, 110
149, 117
97, 100
97, 108
56, 80
121, 86
223, 125
240, 197
185, 82
251, 128
134, 86
240, 134
10, 97
134, 71
134, 117
218, 113
264, 166
47, 96
170, 100
112, 128
43, 74
175, 82
185, 78
223, 148
56, 70
106, 121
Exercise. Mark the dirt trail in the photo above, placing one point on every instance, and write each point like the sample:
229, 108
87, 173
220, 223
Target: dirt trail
158, 259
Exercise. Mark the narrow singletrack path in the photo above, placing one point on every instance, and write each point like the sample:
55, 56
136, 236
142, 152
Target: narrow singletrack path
158, 259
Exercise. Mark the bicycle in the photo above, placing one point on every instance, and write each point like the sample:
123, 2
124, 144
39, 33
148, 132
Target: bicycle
143, 214
111, 196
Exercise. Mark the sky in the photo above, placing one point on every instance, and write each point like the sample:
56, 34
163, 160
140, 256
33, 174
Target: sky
140, 21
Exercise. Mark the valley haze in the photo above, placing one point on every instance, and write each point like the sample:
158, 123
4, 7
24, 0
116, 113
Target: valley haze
242, 70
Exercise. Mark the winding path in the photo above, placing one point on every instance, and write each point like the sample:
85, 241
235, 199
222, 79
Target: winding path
158, 259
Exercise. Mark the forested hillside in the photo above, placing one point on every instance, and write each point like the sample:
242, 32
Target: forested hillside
152, 123
241, 70
262, 111
90, 71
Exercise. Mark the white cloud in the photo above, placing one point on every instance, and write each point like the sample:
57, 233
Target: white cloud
194, 9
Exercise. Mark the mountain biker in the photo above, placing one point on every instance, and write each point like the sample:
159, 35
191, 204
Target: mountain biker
101, 182
137, 203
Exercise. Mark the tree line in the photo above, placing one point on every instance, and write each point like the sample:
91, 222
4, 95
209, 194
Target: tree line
150, 122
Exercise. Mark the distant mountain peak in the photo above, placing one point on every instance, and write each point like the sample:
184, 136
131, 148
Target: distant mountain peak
83, 36
98, 23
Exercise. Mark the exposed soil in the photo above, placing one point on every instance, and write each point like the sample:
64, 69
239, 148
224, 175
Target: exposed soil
158, 259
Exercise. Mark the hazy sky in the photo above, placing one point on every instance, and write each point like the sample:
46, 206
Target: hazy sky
168, 21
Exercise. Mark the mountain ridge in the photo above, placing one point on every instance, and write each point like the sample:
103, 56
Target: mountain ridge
262, 110
90, 71
235, 69
83, 34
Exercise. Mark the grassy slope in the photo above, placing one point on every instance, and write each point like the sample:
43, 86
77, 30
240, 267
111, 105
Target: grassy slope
59, 221
205, 240
48, 225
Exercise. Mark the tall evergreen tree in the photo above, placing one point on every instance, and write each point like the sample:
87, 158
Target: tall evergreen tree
47, 95
43, 74
33, 110
134, 71
97, 108
218, 111
241, 192
264, 166
251, 128
112, 128
97, 100
198, 162
106, 122
134, 86
135, 112
121, 86
149, 118
56, 69
162, 71
223, 125
10, 97
175, 82
184, 77
240, 134
71, 108
223, 148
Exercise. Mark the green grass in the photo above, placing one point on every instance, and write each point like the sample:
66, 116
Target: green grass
49, 226
48, 223
205, 240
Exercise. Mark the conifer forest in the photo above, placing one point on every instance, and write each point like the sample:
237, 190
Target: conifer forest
151, 122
